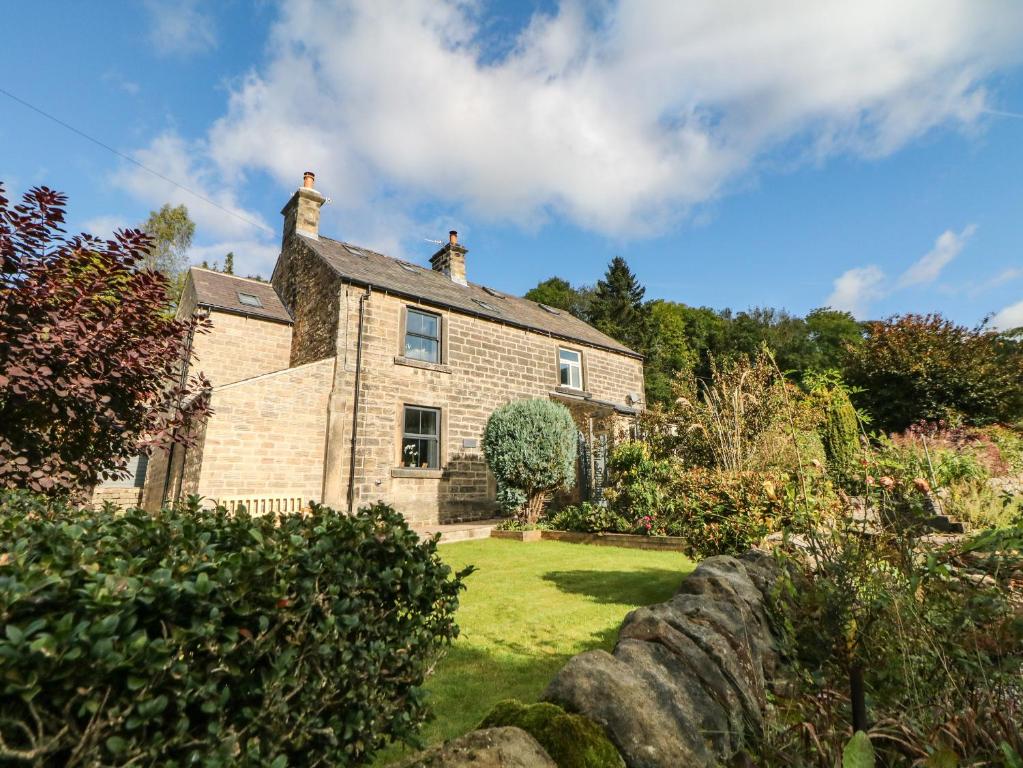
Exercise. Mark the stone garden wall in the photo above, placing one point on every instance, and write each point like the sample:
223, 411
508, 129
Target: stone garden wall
686, 684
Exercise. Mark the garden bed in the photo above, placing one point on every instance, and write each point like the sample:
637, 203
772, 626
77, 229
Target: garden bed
631, 541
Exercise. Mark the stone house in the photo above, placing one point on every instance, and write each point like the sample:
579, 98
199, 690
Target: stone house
353, 376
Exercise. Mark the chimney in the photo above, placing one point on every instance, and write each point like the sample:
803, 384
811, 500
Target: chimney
302, 213
450, 260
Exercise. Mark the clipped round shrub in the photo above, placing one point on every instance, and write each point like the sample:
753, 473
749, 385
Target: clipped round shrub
572, 741
199, 637
530, 446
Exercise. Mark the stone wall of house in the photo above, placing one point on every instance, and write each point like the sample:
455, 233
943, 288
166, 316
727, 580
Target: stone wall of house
484, 366
266, 436
310, 290
240, 347
237, 346
121, 495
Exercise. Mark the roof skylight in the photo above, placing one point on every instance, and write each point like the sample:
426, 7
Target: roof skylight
552, 310
407, 267
249, 299
493, 293
486, 306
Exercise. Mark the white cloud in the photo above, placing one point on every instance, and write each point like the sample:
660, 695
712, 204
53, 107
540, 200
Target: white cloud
1008, 318
855, 289
621, 117
171, 157
1005, 276
927, 269
179, 27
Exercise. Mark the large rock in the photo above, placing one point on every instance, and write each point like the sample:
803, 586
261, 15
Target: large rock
486, 748
638, 718
686, 684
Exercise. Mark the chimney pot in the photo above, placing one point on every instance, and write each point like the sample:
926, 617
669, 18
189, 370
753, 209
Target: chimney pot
308, 179
453, 237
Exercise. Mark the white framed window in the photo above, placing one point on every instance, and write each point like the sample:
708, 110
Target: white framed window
422, 336
570, 366
420, 437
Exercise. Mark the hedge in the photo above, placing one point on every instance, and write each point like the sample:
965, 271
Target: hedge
199, 637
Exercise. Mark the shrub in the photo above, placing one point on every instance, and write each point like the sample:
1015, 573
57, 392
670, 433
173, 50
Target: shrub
586, 518
637, 484
192, 637
902, 636
725, 512
530, 445
840, 432
572, 741
917, 367
86, 343
715, 511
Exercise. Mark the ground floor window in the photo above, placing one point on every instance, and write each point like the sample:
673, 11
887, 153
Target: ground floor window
420, 440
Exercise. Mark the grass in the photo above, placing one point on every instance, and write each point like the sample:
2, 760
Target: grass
528, 608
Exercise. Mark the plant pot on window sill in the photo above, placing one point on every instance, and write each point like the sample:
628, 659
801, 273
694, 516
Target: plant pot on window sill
421, 473
413, 363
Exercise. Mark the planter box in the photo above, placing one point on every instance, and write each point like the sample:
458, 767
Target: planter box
517, 535
665, 543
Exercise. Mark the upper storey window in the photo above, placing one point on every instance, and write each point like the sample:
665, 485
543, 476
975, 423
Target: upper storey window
422, 336
570, 365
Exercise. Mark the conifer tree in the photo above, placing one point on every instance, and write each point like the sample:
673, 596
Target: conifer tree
617, 306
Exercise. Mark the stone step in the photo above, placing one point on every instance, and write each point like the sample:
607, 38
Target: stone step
455, 532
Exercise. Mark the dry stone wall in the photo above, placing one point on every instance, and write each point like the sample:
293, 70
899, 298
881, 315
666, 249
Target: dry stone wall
687, 681
686, 684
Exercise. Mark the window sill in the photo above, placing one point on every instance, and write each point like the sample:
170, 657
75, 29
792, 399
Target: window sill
573, 391
438, 367
417, 472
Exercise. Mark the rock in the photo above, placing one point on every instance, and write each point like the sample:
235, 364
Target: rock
686, 684
740, 608
487, 748
639, 719
652, 625
572, 741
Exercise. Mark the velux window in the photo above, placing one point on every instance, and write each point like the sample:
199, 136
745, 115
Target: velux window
422, 336
249, 299
571, 368
420, 439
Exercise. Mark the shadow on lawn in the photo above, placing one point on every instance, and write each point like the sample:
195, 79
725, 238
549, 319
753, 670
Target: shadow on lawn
643, 587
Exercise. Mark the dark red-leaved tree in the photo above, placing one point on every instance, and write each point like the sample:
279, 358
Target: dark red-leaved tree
91, 362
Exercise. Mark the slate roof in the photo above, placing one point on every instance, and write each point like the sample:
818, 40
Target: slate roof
362, 266
220, 291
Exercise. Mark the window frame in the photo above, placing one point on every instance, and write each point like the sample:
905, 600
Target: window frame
406, 435
256, 303
579, 366
438, 339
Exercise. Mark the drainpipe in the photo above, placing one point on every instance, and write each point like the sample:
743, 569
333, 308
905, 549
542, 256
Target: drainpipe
355, 406
203, 312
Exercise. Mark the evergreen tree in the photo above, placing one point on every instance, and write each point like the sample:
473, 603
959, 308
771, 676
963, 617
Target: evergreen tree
617, 306
229, 263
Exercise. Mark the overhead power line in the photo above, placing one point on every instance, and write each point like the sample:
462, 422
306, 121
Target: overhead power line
133, 161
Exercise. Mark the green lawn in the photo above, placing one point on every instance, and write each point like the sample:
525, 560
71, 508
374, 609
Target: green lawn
527, 609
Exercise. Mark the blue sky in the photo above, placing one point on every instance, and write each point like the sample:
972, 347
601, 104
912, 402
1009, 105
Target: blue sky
737, 154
